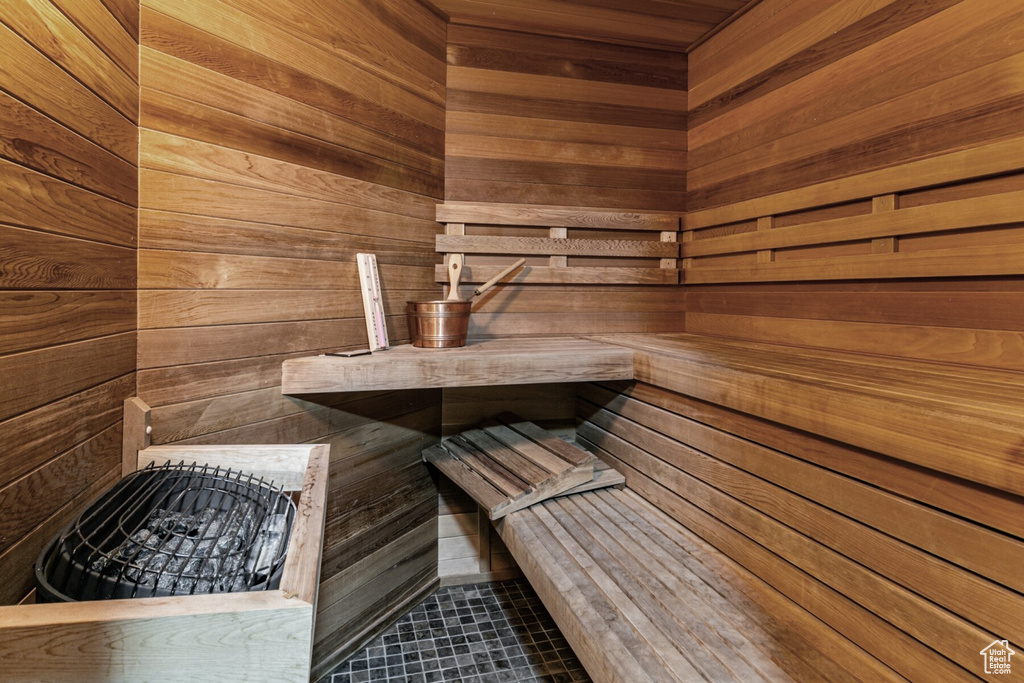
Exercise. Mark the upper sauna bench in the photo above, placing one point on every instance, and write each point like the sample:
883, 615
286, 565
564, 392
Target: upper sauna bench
481, 363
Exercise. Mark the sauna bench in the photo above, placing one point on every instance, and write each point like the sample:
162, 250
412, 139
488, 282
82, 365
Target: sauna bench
481, 363
640, 598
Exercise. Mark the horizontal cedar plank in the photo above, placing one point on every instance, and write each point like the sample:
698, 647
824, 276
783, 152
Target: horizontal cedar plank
30, 500
174, 51
419, 23
38, 260
497, 50
983, 393
580, 299
34, 319
272, 42
994, 260
532, 128
359, 38
354, 508
955, 496
918, 107
219, 413
986, 309
552, 216
175, 384
127, 14
742, 597
16, 576
353, 577
937, 532
543, 245
670, 490
184, 156
38, 377
390, 595
909, 432
608, 321
558, 173
707, 57
522, 361
102, 27
189, 232
318, 425
998, 157
608, 24
34, 200
997, 209
43, 25
45, 87
903, 62
182, 194
565, 89
514, 103
34, 140
810, 27
183, 270
961, 592
970, 127
890, 19
185, 118
591, 275
186, 345
188, 308
30, 439
665, 200
987, 348
495, 146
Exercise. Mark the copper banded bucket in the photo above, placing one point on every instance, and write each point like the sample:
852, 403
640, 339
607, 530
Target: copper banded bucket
438, 324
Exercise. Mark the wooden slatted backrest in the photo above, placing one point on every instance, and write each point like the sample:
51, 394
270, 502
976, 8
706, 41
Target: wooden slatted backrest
563, 245
894, 223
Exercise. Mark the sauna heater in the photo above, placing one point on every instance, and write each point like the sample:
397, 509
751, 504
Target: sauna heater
171, 530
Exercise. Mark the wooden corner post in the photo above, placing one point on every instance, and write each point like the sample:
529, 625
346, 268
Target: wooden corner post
137, 435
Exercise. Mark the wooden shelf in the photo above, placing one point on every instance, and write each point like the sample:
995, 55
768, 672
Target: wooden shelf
482, 363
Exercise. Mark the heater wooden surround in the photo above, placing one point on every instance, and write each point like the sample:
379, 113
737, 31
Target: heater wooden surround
251, 636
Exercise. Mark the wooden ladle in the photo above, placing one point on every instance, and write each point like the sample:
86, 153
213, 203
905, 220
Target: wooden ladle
455, 274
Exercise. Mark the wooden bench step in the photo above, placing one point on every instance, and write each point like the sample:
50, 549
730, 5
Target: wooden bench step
509, 463
640, 598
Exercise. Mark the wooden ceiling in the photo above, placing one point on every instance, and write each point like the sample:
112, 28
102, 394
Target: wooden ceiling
674, 24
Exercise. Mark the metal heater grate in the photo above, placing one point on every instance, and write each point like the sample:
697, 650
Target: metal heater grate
171, 530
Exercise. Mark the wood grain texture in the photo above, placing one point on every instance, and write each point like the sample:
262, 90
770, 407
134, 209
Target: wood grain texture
69, 192
626, 588
674, 24
527, 361
558, 132
718, 460
277, 141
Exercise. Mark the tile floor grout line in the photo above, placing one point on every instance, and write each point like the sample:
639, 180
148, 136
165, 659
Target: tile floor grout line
482, 633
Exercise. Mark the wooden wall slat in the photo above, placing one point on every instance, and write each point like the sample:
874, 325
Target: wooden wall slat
550, 132
277, 141
68, 198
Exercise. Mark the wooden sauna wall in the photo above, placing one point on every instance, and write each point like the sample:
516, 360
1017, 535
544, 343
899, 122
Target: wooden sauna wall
819, 110
565, 122
540, 120
68, 149
809, 111
277, 141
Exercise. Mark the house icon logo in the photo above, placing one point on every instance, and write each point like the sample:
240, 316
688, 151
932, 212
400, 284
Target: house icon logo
997, 657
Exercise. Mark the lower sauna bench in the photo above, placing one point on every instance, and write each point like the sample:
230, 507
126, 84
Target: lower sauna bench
640, 598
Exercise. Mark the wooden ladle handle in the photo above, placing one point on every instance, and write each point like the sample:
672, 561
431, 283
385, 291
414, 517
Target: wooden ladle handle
454, 274
497, 278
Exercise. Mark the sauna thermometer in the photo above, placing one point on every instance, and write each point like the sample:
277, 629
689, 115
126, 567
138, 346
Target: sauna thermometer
373, 305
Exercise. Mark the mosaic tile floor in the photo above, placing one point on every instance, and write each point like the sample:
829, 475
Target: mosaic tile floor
485, 633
